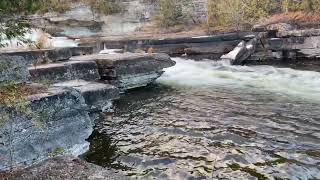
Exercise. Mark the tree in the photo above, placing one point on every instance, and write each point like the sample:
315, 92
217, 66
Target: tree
14, 15
12, 24
170, 13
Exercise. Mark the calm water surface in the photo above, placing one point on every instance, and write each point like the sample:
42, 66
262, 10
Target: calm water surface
210, 120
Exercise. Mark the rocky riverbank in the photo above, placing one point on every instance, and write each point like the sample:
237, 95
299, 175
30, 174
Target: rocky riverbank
50, 101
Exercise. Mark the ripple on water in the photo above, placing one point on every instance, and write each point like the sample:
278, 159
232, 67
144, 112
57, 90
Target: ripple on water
195, 125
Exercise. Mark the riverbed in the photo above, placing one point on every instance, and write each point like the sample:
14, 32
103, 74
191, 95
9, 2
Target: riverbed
211, 120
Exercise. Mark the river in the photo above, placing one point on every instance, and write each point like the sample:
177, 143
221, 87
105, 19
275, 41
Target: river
211, 120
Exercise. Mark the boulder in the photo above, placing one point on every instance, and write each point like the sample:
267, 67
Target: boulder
236, 53
13, 69
241, 53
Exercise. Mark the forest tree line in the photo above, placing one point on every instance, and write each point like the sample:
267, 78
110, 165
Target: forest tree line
245, 13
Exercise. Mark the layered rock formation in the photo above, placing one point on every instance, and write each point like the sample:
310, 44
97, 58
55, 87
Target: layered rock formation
195, 47
47, 119
129, 70
56, 116
49, 55
58, 119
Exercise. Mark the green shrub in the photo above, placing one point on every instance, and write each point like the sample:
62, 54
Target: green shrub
106, 7
170, 13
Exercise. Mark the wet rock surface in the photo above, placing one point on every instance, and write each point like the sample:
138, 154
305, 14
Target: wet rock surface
64, 168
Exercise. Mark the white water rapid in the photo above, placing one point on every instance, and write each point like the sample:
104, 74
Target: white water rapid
304, 85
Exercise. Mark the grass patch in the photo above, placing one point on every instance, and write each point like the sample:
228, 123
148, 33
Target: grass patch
13, 98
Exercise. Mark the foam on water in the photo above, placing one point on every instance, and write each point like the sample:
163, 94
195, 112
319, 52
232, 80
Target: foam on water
212, 120
209, 74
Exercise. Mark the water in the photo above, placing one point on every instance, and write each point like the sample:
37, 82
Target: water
210, 120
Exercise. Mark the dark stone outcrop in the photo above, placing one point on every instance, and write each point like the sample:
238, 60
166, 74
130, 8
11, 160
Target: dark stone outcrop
57, 122
13, 70
64, 168
66, 71
82, 50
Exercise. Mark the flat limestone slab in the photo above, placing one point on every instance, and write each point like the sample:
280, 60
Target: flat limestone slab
128, 63
109, 60
54, 55
97, 95
66, 71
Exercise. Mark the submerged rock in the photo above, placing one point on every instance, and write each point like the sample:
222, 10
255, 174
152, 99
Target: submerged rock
64, 168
